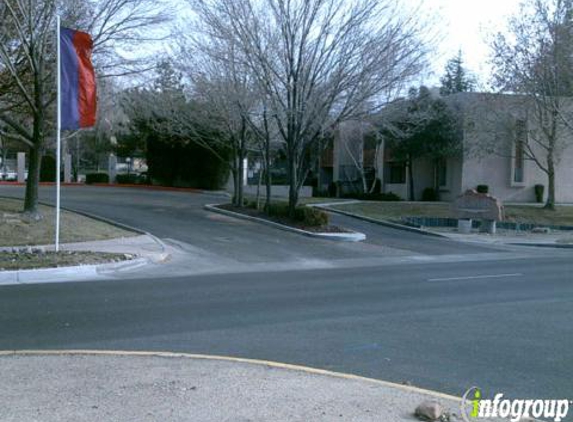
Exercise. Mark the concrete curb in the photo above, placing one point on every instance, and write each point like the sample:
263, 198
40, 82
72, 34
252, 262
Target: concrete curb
79, 272
379, 222
511, 243
278, 365
342, 237
544, 245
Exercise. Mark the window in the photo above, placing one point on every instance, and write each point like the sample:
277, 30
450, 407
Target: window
442, 173
396, 172
519, 156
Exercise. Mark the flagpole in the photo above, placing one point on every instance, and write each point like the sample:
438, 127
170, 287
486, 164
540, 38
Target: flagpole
59, 135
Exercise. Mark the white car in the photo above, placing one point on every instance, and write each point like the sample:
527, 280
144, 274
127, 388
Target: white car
10, 175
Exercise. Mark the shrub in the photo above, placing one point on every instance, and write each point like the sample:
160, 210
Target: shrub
129, 179
314, 217
311, 217
377, 187
539, 191
430, 195
482, 188
48, 169
332, 189
388, 196
97, 178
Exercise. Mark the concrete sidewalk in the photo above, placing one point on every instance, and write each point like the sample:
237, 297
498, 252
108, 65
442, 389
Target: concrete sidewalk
139, 387
144, 246
556, 240
146, 249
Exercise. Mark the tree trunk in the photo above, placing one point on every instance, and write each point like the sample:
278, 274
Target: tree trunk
411, 178
235, 174
241, 180
293, 186
364, 182
550, 204
3, 155
32, 183
268, 178
259, 183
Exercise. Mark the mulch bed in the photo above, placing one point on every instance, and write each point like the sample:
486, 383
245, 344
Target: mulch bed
283, 220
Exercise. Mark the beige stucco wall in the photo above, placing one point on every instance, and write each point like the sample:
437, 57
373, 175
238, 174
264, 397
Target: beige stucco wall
454, 177
488, 141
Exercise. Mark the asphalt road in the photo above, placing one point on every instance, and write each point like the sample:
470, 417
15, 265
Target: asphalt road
502, 322
180, 216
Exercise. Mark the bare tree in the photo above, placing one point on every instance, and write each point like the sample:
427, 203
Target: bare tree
225, 87
534, 58
363, 147
318, 61
27, 62
218, 96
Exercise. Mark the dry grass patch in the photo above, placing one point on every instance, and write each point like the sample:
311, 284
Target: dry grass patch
17, 231
533, 214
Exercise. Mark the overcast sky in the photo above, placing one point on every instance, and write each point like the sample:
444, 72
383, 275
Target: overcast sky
465, 25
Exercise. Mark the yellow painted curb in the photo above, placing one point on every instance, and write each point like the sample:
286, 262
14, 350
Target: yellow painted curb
278, 365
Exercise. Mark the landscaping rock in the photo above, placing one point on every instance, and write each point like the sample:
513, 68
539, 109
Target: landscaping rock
474, 205
429, 411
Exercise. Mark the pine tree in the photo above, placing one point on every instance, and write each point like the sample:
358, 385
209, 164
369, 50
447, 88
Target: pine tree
456, 78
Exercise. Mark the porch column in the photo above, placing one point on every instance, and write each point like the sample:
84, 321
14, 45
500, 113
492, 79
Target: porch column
21, 167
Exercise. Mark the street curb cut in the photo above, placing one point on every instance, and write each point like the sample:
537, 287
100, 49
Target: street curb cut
341, 237
380, 222
258, 362
163, 256
79, 271
83, 271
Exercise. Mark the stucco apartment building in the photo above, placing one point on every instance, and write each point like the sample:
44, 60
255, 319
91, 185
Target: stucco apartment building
496, 129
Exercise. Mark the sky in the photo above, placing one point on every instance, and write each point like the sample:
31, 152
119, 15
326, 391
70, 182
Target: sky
464, 24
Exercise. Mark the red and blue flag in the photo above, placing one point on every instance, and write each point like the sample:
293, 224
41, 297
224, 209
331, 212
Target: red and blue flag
78, 84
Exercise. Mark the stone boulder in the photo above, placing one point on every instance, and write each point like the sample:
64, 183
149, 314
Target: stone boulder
472, 205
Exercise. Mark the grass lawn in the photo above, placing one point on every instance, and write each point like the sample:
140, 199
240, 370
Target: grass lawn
15, 231
301, 201
514, 213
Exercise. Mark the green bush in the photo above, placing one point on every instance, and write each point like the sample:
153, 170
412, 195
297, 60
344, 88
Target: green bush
332, 189
48, 169
377, 187
313, 217
278, 210
129, 179
97, 178
388, 196
482, 188
430, 195
539, 191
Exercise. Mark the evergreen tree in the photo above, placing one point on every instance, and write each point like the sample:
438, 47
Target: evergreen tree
421, 126
456, 78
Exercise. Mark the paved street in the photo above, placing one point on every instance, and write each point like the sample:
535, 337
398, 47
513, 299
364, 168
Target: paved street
453, 316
